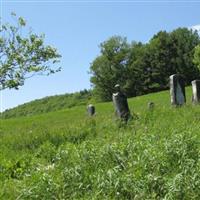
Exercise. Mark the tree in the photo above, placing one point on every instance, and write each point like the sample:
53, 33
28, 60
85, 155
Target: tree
144, 68
109, 68
157, 62
171, 53
23, 55
197, 56
183, 42
135, 76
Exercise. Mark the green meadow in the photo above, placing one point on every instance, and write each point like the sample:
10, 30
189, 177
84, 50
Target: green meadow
68, 155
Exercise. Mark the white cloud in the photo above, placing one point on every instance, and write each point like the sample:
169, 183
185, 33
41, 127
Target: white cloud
195, 27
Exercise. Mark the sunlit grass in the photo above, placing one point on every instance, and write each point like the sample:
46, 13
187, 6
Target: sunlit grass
67, 155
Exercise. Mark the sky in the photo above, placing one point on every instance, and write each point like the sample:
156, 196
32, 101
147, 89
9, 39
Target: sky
76, 29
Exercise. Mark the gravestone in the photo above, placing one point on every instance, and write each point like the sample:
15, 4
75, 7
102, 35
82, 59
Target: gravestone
151, 105
177, 90
121, 104
90, 110
196, 91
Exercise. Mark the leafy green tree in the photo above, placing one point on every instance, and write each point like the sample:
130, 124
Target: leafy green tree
197, 56
157, 62
135, 76
170, 53
109, 68
23, 55
143, 68
183, 42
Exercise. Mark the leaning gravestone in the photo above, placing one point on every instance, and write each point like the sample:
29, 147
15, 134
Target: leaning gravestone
90, 110
121, 104
196, 91
177, 90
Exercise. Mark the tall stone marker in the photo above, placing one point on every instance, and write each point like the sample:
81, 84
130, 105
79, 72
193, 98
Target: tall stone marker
177, 90
196, 91
121, 104
90, 110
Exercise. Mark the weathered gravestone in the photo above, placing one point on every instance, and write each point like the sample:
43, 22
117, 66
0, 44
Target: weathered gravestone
177, 90
90, 110
151, 105
121, 104
196, 91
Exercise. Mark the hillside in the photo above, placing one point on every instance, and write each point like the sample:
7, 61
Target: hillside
67, 155
49, 104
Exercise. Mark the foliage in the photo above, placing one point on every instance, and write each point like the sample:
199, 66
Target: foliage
144, 68
23, 55
66, 155
135, 73
197, 56
49, 104
109, 68
184, 42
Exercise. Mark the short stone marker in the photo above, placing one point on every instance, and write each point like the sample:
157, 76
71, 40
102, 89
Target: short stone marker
90, 110
151, 105
121, 104
196, 91
177, 90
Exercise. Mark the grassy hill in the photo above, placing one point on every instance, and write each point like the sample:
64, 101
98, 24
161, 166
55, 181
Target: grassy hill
67, 155
49, 104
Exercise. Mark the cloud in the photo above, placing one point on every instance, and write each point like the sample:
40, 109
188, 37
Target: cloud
195, 27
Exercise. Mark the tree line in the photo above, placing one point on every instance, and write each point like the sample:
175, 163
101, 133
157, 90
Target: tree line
139, 68
143, 68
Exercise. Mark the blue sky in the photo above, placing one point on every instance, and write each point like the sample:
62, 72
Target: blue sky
76, 28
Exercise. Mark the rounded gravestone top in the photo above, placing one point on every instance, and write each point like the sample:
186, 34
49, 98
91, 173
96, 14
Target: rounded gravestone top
195, 81
91, 109
151, 105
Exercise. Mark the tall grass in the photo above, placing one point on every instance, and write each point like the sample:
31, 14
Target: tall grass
67, 155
